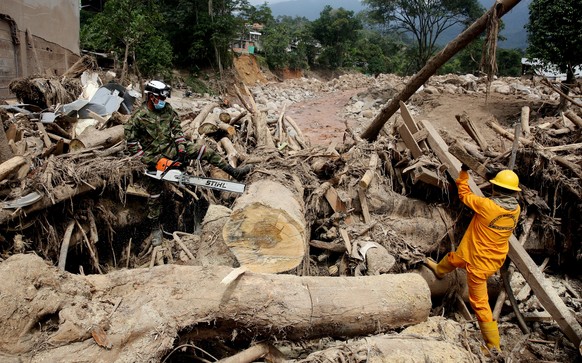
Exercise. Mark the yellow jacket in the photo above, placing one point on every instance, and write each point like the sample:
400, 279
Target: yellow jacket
486, 241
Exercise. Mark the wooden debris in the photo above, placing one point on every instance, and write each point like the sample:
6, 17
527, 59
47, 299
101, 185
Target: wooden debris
10, 166
337, 204
574, 118
65, 245
472, 130
525, 121
92, 137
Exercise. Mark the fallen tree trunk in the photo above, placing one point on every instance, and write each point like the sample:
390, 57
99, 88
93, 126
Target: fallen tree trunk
433, 64
59, 194
139, 313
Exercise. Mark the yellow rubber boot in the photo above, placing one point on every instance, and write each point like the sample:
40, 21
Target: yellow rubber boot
490, 334
440, 269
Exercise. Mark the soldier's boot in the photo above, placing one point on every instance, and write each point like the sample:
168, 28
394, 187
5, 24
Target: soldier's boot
237, 173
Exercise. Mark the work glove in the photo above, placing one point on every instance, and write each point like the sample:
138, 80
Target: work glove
465, 167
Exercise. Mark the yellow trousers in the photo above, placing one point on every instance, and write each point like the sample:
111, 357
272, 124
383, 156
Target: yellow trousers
477, 284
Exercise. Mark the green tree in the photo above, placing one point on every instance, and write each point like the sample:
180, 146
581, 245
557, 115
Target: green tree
554, 34
275, 42
261, 14
336, 30
424, 20
124, 26
202, 31
288, 43
374, 53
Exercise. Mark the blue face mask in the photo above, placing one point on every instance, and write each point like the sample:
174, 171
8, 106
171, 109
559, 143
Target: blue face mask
161, 104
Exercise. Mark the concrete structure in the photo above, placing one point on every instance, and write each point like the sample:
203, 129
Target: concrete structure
37, 37
250, 41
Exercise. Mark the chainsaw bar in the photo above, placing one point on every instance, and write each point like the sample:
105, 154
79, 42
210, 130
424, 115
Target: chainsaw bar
177, 176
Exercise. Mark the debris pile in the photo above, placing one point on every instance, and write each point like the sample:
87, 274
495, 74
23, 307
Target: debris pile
372, 211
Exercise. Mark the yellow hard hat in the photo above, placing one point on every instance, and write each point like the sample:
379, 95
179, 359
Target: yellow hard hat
506, 179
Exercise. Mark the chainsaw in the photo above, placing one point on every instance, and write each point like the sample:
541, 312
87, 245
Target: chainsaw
168, 170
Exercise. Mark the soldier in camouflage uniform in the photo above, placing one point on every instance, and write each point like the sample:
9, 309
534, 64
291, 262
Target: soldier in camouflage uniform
154, 132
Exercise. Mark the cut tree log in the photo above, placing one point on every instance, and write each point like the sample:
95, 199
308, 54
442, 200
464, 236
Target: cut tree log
267, 231
191, 127
155, 307
461, 41
527, 267
235, 120
92, 137
212, 124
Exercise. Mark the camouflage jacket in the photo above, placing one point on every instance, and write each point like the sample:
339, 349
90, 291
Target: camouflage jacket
153, 134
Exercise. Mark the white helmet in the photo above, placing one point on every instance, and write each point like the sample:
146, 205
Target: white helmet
158, 88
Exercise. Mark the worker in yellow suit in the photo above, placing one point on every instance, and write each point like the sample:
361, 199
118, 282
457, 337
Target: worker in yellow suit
485, 244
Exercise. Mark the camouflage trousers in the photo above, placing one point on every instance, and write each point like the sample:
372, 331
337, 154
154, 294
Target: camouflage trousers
200, 150
155, 189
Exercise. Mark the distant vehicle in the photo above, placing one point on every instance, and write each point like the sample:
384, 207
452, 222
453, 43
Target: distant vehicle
550, 71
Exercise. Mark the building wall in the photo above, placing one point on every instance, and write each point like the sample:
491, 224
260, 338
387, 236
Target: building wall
37, 37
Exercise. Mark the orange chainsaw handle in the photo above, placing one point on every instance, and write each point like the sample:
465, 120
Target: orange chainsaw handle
165, 163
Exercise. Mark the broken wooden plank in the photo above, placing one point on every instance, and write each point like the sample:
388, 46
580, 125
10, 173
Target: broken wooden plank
45, 138
364, 205
527, 267
441, 150
525, 121
411, 124
338, 205
346, 239
460, 153
472, 130
427, 176
410, 142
